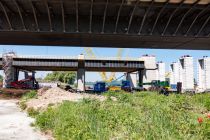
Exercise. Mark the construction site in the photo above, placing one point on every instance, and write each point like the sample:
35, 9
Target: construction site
140, 74
54, 86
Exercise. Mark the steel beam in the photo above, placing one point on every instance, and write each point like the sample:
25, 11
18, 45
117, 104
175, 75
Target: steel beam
21, 7
35, 16
131, 17
171, 16
145, 16
63, 16
104, 18
48, 13
191, 25
6, 15
118, 16
8, 7
180, 23
158, 16
20, 14
91, 17
204, 24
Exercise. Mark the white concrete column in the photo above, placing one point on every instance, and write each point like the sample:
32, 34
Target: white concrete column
81, 79
132, 77
150, 71
81, 73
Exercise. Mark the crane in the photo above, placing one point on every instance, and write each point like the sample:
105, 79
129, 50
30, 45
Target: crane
103, 75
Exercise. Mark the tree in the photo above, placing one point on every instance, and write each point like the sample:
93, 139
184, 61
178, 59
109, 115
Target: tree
62, 76
1, 78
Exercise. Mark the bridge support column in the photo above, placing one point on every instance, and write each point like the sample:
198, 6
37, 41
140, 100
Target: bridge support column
81, 79
132, 77
26, 75
140, 74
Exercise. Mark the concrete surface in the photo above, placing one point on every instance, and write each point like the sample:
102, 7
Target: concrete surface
14, 124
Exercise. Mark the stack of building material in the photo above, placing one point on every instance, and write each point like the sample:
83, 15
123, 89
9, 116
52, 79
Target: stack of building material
161, 71
186, 75
174, 70
203, 68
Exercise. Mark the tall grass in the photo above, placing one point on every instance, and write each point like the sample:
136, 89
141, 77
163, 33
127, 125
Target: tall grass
146, 116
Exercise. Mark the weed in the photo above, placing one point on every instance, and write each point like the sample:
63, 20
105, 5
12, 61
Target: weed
32, 112
133, 116
29, 95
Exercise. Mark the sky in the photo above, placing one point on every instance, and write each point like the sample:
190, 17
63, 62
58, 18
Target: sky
164, 55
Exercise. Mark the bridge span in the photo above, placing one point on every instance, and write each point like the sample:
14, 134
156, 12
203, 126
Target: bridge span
12, 64
166, 24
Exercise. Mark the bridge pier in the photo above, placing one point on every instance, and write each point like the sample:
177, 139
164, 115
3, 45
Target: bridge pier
149, 73
141, 75
81, 79
132, 77
26, 75
81, 73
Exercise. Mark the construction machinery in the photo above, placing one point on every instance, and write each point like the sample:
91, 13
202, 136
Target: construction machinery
103, 75
126, 86
29, 83
99, 87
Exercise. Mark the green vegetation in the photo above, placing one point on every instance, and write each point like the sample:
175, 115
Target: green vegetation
29, 95
62, 76
1, 78
144, 115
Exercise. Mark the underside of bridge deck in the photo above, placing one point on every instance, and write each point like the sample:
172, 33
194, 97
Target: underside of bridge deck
171, 24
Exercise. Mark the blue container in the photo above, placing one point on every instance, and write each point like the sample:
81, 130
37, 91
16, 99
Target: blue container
100, 87
173, 86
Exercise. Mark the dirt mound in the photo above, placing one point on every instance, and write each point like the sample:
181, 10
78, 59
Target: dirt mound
56, 95
42, 90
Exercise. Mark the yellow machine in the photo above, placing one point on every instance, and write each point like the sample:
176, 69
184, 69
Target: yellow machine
103, 75
114, 88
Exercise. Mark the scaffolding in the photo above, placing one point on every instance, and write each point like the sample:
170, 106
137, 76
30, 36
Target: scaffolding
8, 69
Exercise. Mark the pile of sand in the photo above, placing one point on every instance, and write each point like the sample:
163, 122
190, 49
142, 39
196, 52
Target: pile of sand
56, 95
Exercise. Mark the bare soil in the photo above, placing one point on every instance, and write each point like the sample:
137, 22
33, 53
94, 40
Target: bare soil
56, 95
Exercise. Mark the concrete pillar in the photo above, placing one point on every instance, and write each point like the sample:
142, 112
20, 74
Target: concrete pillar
141, 74
132, 77
149, 73
33, 74
81, 79
26, 75
81, 73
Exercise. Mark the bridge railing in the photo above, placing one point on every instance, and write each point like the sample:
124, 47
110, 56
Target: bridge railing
45, 57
